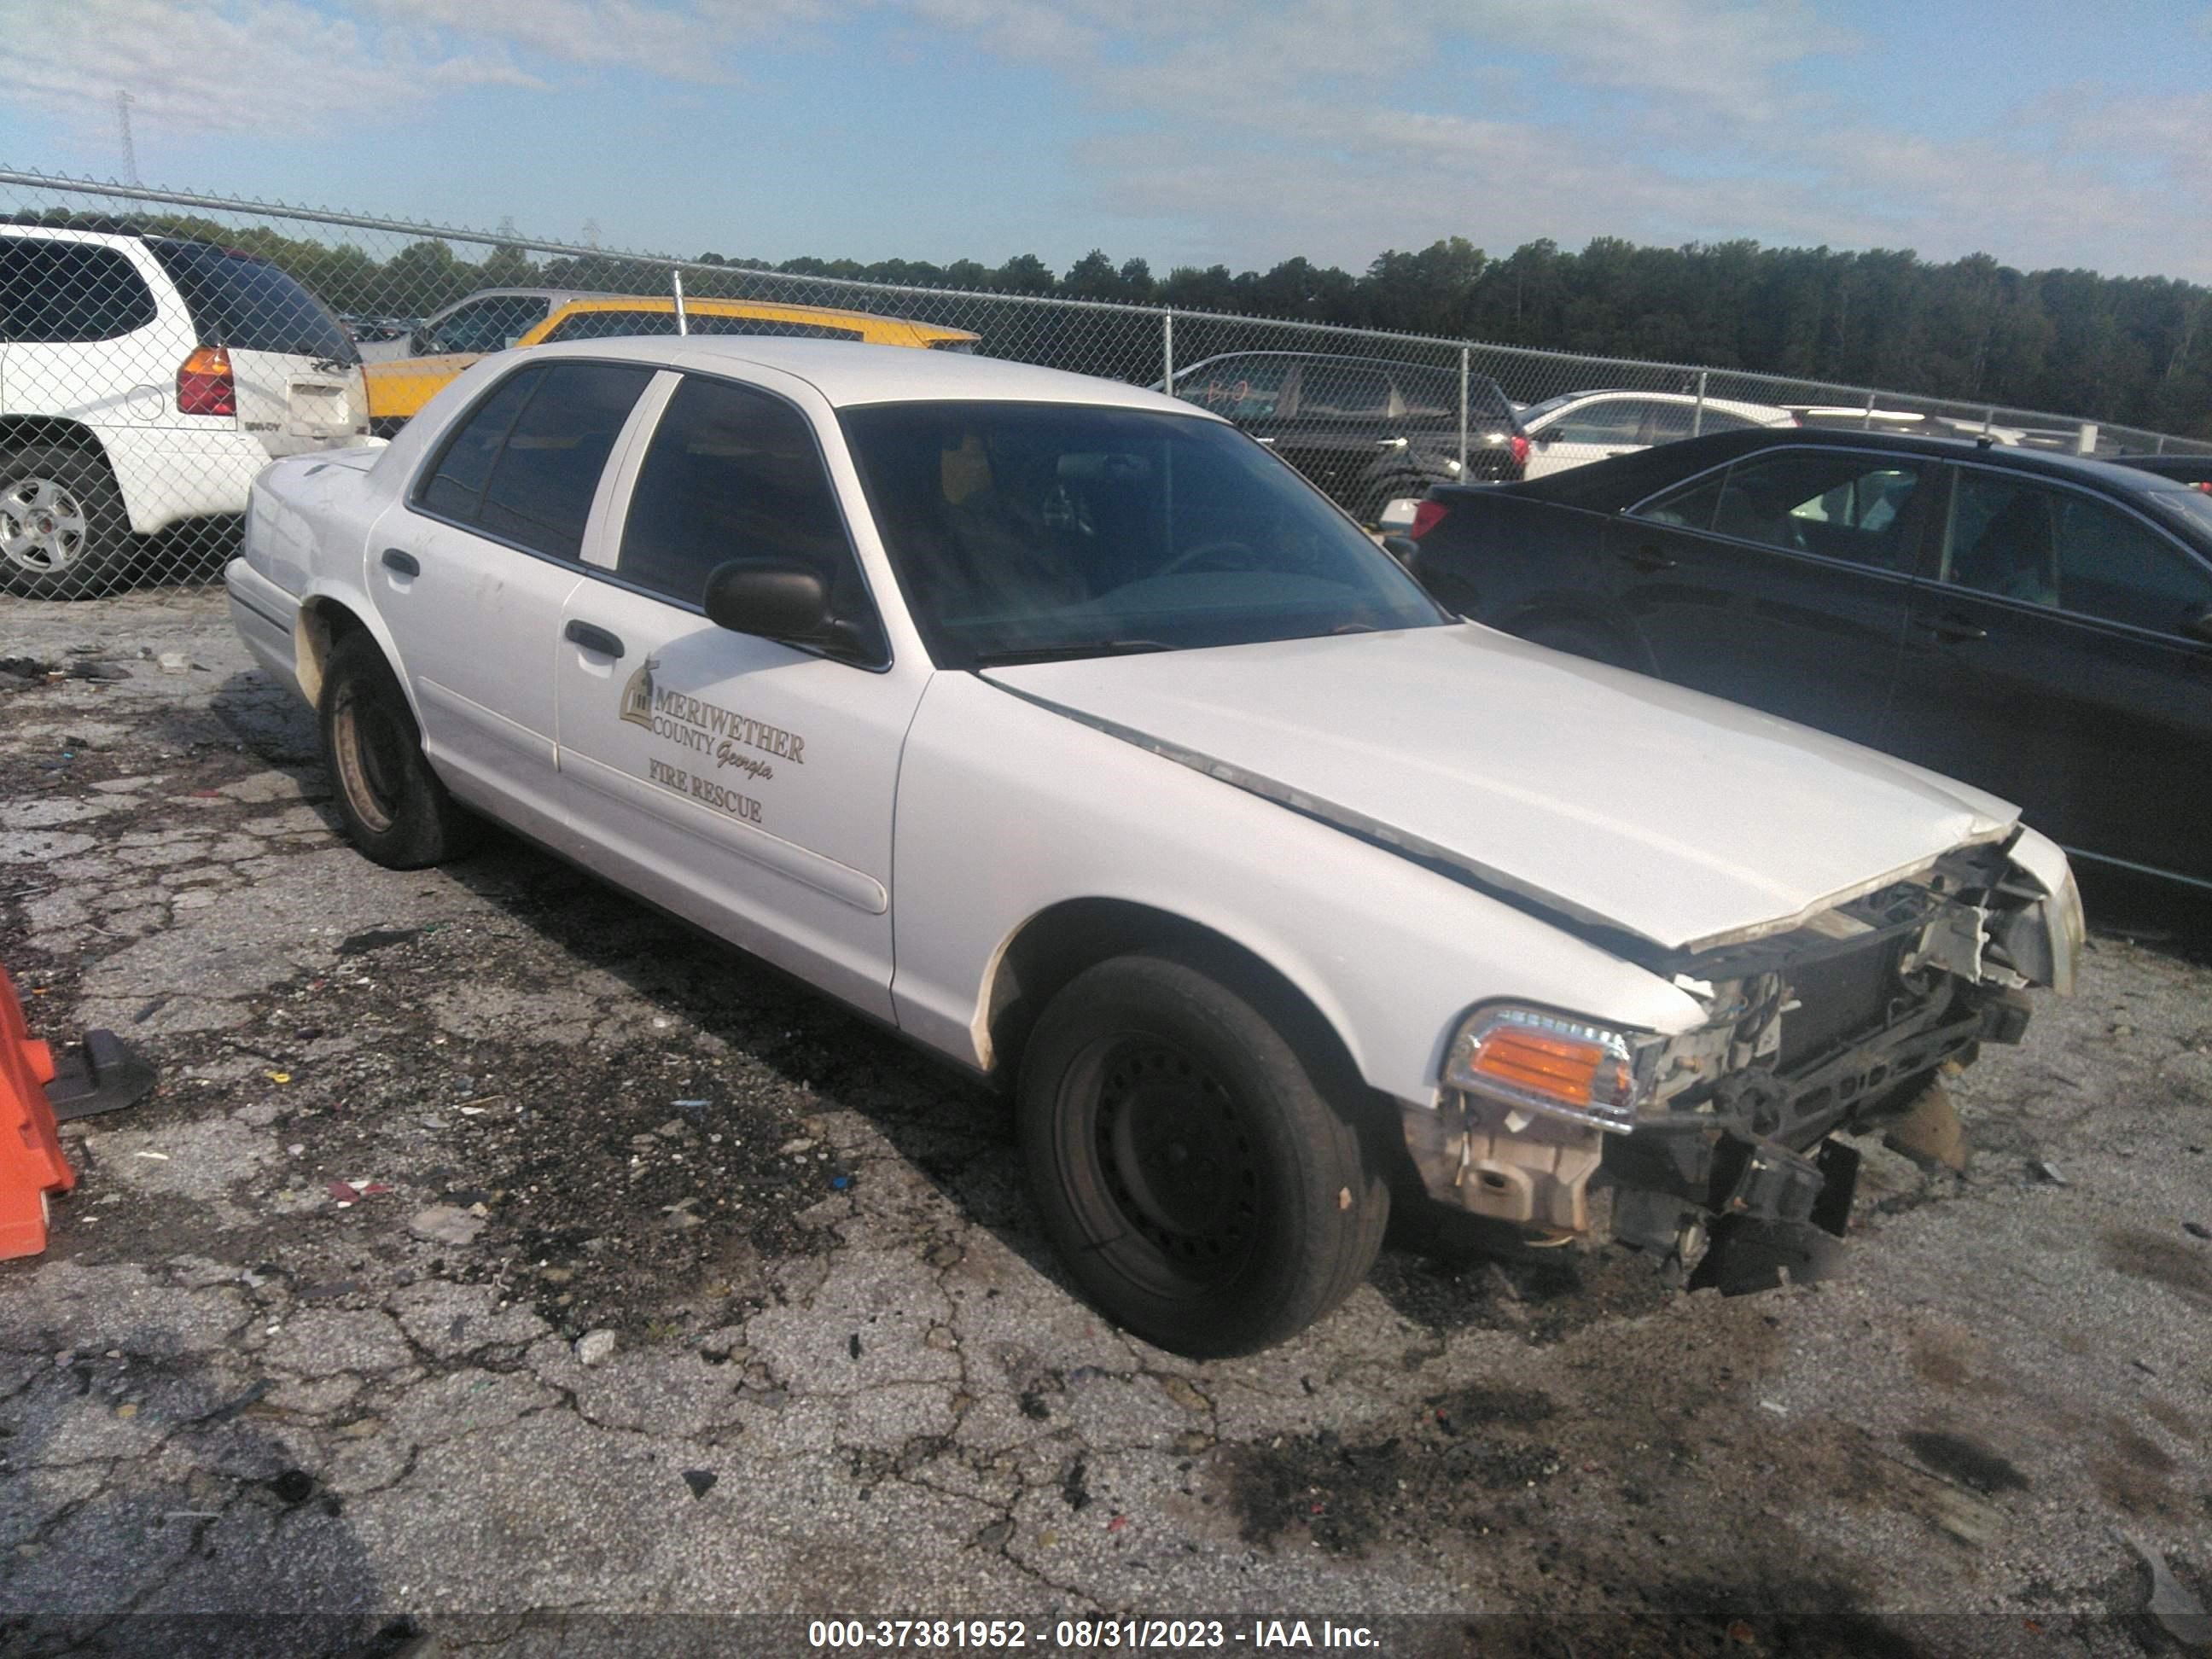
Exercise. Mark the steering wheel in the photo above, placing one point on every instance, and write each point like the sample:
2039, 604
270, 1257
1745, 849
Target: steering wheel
1189, 558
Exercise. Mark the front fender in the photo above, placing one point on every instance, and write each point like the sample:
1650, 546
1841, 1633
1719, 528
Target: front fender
1006, 808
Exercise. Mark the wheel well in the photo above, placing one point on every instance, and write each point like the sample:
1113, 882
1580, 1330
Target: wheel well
322, 624
1060, 942
17, 430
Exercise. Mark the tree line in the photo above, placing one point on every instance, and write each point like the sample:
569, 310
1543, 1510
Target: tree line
2128, 350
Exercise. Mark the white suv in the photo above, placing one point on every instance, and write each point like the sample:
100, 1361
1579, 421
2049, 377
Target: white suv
144, 380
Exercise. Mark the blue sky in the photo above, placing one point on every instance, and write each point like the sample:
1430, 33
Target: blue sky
1189, 131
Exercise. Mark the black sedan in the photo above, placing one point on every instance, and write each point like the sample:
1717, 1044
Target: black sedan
2035, 623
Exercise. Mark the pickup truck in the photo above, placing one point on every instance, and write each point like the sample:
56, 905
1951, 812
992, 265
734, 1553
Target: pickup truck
1060, 728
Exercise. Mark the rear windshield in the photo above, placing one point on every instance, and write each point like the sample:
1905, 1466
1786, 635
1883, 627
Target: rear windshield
606, 325
247, 303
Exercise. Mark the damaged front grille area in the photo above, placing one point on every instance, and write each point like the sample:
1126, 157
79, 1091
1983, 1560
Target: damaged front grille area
1831, 1024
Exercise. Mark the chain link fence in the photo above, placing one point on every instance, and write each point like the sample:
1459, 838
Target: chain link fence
157, 349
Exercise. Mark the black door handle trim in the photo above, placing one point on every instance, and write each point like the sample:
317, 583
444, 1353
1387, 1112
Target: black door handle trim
1954, 630
1647, 559
592, 637
405, 564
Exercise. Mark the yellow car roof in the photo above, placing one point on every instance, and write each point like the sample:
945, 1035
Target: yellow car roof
871, 326
399, 387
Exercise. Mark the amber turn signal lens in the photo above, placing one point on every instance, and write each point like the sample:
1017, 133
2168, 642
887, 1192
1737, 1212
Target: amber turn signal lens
204, 386
1565, 1068
1544, 1061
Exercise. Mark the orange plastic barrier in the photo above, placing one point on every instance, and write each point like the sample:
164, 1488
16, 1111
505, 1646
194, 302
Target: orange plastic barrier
31, 1162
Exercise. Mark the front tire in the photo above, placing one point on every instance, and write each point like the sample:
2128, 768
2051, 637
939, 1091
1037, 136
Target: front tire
1191, 1168
64, 531
395, 809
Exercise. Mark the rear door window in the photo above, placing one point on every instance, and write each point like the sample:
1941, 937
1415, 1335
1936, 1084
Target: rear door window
1239, 388
1338, 390
60, 293
525, 464
244, 303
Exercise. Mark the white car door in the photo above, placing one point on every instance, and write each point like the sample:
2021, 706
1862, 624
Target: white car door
471, 568
1587, 431
745, 784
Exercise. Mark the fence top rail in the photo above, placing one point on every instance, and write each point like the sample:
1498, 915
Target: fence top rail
68, 183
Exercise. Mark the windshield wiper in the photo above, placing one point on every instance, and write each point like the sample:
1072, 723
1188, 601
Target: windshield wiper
1067, 652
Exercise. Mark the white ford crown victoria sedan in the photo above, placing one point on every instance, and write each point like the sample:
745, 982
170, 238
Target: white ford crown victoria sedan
1063, 728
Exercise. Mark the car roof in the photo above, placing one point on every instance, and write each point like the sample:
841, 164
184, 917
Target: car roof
1330, 357
1625, 480
850, 374
730, 305
2189, 468
1685, 399
97, 234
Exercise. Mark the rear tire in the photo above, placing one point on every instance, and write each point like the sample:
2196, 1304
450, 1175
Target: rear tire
1191, 1170
64, 531
396, 811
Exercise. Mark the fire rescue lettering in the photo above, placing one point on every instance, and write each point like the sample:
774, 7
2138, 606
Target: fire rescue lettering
744, 808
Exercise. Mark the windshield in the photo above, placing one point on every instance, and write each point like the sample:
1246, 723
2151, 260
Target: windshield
1021, 532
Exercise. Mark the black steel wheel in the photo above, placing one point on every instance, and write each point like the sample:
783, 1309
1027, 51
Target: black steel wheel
1201, 1185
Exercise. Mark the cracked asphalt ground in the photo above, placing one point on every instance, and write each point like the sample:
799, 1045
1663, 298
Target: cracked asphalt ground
308, 1335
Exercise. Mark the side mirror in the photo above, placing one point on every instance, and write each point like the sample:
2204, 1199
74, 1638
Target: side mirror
1404, 549
2197, 624
770, 598
1547, 437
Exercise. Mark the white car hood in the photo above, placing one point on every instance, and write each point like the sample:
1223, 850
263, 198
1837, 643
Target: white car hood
1609, 797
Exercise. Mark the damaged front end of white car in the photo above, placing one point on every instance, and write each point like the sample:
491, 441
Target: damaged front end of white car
1714, 1148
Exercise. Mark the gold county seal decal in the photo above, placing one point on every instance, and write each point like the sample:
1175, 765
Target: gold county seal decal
637, 695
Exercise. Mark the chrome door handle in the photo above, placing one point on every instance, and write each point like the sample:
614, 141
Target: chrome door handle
592, 637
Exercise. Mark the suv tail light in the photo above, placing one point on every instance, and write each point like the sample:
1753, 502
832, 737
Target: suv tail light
1426, 517
1520, 450
204, 386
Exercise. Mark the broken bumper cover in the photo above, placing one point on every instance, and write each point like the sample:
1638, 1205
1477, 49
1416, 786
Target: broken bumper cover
1819, 1029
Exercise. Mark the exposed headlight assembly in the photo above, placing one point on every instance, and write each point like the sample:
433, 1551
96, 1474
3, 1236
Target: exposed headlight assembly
1555, 1064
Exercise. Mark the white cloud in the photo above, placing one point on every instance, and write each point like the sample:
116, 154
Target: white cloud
273, 67
696, 41
1249, 129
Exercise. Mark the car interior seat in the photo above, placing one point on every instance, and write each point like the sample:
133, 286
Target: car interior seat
2014, 554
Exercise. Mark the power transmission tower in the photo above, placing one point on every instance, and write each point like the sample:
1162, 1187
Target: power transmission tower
123, 102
